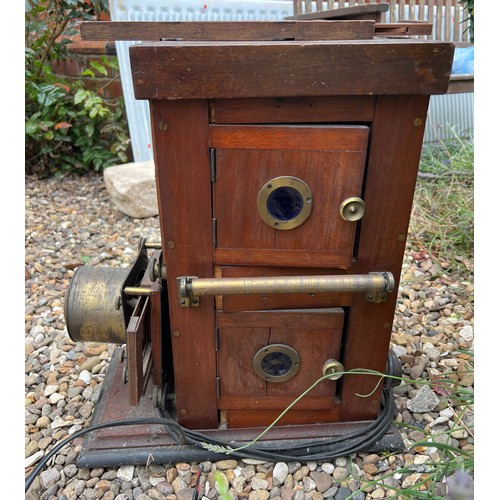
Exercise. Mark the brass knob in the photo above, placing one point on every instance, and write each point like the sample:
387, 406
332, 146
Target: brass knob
333, 368
352, 209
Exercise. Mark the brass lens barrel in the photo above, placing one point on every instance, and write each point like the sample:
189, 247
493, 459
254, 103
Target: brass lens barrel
93, 311
373, 282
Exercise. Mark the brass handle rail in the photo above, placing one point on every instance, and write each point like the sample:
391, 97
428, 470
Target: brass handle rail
375, 285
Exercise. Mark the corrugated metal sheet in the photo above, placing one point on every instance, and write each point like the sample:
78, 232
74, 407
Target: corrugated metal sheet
138, 115
448, 114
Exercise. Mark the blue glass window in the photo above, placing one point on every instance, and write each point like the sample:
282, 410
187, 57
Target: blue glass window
276, 364
285, 203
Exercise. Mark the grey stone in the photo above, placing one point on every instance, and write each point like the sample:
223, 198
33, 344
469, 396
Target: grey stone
259, 484
125, 472
132, 188
424, 401
49, 477
309, 484
226, 464
323, 481
330, 492
280, 472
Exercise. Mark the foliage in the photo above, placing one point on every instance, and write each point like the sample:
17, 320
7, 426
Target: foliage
469, 7
68, 127
442, 222
222, 486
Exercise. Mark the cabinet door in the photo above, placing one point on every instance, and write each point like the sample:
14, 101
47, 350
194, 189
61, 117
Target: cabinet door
266, 359
278, 193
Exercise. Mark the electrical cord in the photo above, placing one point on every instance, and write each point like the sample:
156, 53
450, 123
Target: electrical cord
179, 433
317, 450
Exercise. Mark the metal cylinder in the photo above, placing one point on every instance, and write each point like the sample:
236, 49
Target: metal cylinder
93, 308
289, 284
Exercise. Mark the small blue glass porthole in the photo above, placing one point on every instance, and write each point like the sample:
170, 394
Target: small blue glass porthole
276, 363
284, 202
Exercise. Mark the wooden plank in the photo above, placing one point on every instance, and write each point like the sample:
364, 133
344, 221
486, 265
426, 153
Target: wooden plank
406, 28
397, 134
180, 137
266, 257
371, 11
350, 138
224, 30
305, 318
293, 110
274, 402
254, 418
190, 70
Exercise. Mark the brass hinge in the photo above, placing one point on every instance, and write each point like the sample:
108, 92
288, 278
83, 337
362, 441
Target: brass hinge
213, 172
216, 331
217, 387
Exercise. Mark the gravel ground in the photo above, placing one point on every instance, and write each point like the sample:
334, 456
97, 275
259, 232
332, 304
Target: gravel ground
73, 220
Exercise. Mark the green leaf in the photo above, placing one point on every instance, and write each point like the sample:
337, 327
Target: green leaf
80, 96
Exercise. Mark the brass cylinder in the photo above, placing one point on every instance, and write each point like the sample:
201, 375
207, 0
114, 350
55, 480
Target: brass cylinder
290, 284
93, 308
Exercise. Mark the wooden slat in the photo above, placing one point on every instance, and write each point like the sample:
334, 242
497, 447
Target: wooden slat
371, 11
265, 257
293, 110
274, 403
305, 318
409, 28
350, 138
183, 182
255, 418
180, 70
439, 20
397, 134
447, 25
224, 30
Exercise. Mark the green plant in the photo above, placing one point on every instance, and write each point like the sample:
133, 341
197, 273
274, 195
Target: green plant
452, 463
442, 222
469, 7
222, 485
68, 127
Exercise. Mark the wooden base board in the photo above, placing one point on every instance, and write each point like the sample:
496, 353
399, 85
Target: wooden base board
139, 444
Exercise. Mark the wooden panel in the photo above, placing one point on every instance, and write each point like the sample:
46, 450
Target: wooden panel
137, 339
244, 334
266, 257
392, 168
369, 11
255, 418
223, 30
180, 136
278, 301
289, 110
190, 70
350, 138
321, 318
273, 402
330, 160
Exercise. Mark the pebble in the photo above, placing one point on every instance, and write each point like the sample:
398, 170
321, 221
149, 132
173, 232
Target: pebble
280, 472
433, 323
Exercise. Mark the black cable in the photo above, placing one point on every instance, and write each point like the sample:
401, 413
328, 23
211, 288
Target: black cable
318, 450
116, 423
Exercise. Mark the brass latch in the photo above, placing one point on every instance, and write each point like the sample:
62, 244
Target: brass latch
375, 285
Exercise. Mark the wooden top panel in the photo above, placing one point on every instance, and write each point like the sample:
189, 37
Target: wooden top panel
200, 70
224, 30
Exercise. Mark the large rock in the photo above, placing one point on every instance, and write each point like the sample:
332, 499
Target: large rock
132, 188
